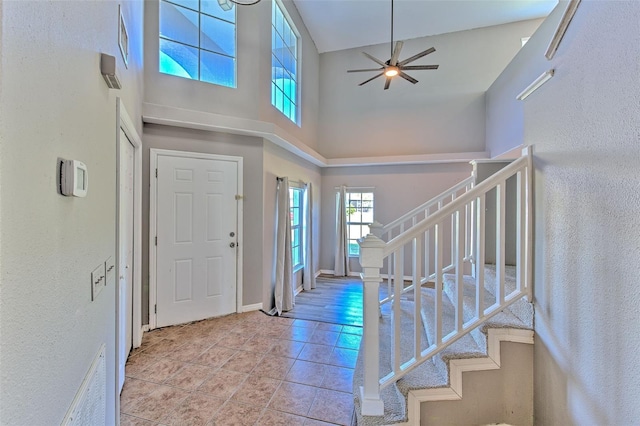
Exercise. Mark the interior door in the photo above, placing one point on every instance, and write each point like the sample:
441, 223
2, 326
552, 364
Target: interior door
196, 239
125, 250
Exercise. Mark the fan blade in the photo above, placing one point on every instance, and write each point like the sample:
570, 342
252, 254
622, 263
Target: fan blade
418, 56
370, 69
387, 83
374, 59
407, 77
421, 67
396, 53
372, 78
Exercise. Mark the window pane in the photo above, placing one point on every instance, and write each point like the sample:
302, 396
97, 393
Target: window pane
279, 19
211, 7
179, 24
296, 216
191, 4
178, 59
354, 248
218, 69
218, 36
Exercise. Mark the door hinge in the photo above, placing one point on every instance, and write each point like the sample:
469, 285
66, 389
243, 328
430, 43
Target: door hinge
155, 309
156, 172
239, 197
156, 240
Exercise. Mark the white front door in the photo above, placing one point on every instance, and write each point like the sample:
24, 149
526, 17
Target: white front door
197, 236
125, 250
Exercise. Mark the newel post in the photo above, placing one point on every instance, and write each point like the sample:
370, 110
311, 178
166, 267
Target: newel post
371, 256
376, 228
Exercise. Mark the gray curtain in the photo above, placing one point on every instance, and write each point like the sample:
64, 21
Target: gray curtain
283, 274
309, 276
341, 265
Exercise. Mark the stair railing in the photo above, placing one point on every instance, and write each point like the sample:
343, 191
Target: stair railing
373, 252
408, 220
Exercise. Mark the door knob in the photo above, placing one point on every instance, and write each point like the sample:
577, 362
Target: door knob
232, 245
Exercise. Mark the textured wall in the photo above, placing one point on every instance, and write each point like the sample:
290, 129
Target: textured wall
252, 96
583, 125
54, 103
443, 113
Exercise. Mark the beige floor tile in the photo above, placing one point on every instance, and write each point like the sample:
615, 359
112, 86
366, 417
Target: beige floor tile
189, 351
331, 406
136, 364
314, 422
161, 370
126, 420
278, 418
196, 410
349, 341
344, 357
338, 379
316, 353
337, 328
307, 373
286, 348
236, 414
293, 398
259, 343
275, 367
256, 391
134, 389
301, 334
243, 361
215, 356
305, 323
190, 377
232, 340
273, 330
222, 383
158, 404
323, 337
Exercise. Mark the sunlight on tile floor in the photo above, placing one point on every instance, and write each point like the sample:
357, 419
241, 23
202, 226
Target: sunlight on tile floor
242, 369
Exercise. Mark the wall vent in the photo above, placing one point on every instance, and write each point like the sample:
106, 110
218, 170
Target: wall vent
89, 407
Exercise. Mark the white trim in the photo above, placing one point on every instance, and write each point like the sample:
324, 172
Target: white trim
126, 124
458, 366
317, 274
297, 290
190, 119
562, 28
537, 83
332, 272
144, 328
512, 153
153, 199
253, 307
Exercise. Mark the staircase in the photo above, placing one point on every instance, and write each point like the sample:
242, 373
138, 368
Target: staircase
446, 312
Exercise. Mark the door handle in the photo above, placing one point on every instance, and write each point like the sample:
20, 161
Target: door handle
232, 245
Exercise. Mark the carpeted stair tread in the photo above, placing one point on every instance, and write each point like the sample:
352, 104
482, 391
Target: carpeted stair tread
395, 396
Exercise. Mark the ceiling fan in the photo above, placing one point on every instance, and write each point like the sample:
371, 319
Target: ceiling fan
393, 67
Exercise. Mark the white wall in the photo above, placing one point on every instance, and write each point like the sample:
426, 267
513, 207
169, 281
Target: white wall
583, 126
280, 163
54, 103
443, 113
397, 189
247, 147
252, 97
505, 114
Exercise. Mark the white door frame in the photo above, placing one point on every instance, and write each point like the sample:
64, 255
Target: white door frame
125, 123
153, 205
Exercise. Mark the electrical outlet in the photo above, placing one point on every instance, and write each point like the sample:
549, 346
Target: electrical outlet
98, 277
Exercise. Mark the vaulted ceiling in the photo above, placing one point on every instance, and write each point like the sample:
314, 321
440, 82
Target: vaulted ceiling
344, 24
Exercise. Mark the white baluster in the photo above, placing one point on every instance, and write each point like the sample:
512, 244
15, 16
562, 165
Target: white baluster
500, 240
459, 256
438, 271
396, 318
417, 294
520, 232
479, 266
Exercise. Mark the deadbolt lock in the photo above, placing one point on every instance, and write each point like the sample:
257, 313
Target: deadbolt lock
232, 245
232, 234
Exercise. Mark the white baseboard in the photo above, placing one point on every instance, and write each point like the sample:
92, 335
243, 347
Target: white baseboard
297, 290
318, 273
332, 272
254, 307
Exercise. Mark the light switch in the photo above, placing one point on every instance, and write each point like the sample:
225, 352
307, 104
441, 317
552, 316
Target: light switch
98, 278
110, 267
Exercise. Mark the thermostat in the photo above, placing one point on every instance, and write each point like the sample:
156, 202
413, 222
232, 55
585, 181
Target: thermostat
74, 178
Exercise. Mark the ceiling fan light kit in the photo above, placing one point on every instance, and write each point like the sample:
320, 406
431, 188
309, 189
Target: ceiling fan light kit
393, 67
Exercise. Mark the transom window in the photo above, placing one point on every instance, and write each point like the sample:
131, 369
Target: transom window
198, 41
296, 196
359, 207
284, 64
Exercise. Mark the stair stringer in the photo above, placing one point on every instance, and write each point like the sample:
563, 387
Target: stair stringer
453, 392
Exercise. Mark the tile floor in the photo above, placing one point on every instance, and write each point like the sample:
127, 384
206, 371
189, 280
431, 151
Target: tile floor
242, 369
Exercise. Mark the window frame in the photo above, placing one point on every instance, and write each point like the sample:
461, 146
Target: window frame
200, 47
361, 224
300, 248
295, 102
